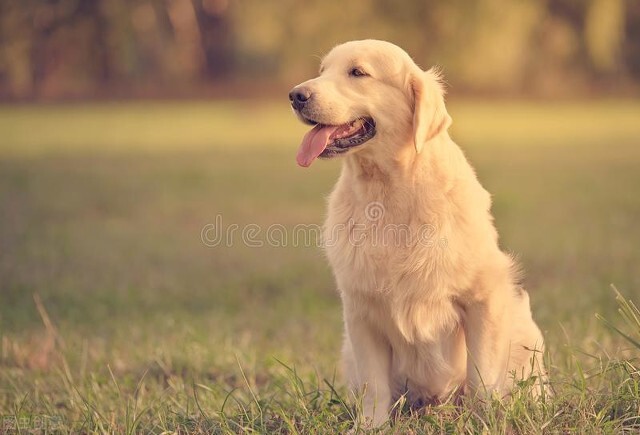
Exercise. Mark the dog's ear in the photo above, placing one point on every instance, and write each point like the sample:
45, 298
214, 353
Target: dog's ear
430, 116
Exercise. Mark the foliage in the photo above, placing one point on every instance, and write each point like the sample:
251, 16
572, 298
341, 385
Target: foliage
67, 48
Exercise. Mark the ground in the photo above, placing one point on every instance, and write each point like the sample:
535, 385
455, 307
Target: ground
115, 315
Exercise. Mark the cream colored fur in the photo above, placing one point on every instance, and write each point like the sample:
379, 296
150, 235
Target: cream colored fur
425, 317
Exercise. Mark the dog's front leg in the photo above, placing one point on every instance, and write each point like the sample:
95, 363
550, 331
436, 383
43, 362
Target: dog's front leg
370, 372
486, 325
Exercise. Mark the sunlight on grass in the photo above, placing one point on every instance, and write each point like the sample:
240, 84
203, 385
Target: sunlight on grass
146, 126
158, 126
115, 317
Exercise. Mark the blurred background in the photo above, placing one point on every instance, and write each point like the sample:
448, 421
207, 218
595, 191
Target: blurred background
52, 49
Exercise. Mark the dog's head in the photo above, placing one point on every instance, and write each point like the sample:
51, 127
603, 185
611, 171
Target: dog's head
369, 97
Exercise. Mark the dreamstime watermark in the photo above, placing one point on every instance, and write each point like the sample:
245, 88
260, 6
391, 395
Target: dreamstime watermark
40, 423
370, 231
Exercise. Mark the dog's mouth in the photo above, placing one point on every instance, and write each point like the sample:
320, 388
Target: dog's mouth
327, 141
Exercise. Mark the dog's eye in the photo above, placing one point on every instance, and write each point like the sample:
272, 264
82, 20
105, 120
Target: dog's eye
357, 72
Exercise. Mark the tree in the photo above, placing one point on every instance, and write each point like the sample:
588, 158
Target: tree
216, 37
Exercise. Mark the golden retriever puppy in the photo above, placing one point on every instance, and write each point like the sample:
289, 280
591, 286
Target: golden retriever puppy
430, 301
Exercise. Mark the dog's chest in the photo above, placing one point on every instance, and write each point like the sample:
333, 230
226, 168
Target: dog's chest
365, 248
376, 246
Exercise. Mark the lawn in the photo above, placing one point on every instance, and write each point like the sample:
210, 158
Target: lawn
115, 316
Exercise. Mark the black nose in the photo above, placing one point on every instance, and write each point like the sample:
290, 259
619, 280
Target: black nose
299, 97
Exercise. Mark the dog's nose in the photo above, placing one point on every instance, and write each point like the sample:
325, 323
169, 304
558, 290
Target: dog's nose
299, 97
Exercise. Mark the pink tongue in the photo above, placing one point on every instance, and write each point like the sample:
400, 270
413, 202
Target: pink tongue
313, 143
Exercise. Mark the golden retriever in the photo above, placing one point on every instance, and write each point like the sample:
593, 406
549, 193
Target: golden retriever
431, 305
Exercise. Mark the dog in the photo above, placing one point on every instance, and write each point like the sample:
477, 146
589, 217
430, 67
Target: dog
431, 304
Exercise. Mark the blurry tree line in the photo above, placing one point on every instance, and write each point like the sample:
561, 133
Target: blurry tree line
89, 48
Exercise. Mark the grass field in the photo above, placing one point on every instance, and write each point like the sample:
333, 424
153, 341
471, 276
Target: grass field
115, 317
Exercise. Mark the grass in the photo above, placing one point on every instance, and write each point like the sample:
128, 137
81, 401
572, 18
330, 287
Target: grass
116, 318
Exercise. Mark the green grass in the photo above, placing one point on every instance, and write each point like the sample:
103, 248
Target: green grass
140, 327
